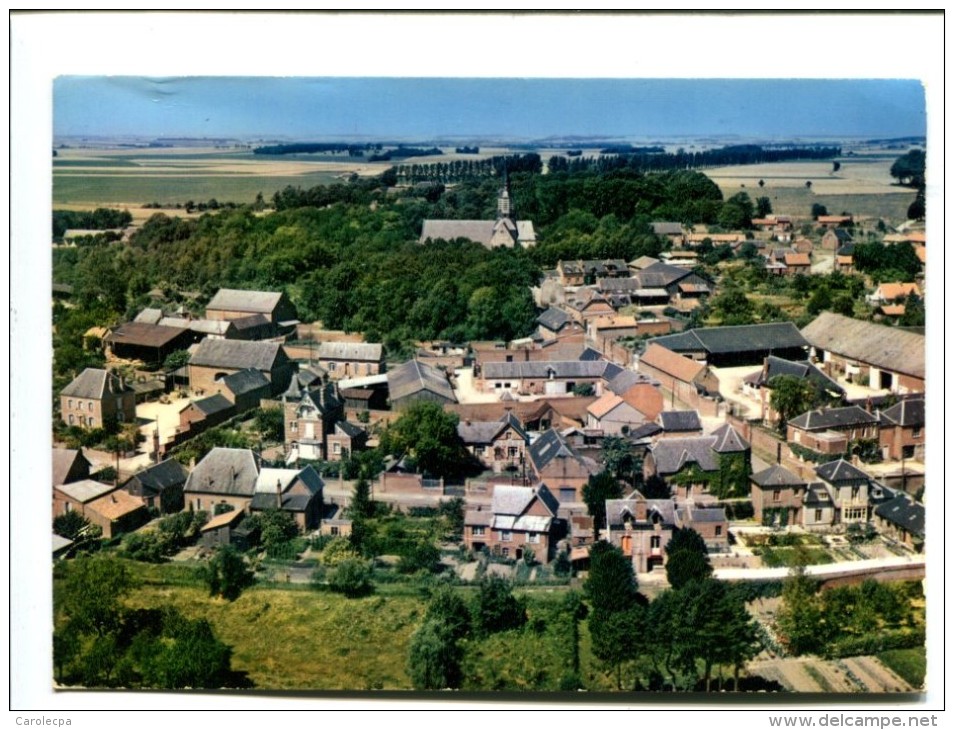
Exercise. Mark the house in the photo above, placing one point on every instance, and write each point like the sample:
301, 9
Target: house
160, 486
224, 476
901, 430
803, 245
612, 415
680, 257
845, 259
695, 466
149, 343
112, 509
584, 304
232, 304
606, 330
757, 385
505, 231
833, 221
334, 523
717, 239
902, 519
641, 528
641, 263
848, 488
819, 513
204, 413
558, 465
890, 298
520, 519
296, 491
69, 465
214, 360
257, 326
835, 238
737, 345
777, 496
310, 414
220, 529
832, 430
690, 381
95, 397
346, 439
671, 231
638, 390
198, 328
245, 389
679, 424
351, 359
554, 323
499, 445
884, 358
797, 263
684, 287
545, 378
415, 381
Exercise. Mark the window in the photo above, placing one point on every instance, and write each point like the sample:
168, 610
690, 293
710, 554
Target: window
336, 448
506, 385
477, 531
718, 530
916, 432
293, 425
331, 367
654, 542
79, 405
818, 515
498, 385
777, 495
506, 536
70, 403
334, 531
907, 452
509, 358
91, 405
120, 416
67, 508
505, 552
71, 419
533, 537
91, 421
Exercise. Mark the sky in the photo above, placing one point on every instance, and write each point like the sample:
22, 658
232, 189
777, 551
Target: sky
522, 108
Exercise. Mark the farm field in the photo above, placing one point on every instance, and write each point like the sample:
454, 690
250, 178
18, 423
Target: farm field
862, 186
102, 177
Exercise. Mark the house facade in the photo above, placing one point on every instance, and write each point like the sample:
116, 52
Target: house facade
832, 430
214, 360
519, 519
555, 463
902, 430
498, 445
224, 476
160, 486
350, 359
95, 397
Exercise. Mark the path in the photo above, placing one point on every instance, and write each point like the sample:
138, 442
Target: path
811, 674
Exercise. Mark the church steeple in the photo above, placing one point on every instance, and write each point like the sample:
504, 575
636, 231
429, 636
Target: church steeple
504, 208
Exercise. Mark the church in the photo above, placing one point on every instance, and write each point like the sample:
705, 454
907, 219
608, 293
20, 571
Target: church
504, 231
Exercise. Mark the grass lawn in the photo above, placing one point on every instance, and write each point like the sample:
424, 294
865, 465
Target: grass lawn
909, 664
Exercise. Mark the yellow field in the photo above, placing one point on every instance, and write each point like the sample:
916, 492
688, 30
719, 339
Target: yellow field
862, 176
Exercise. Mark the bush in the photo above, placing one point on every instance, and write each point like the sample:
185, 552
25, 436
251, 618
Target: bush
875, 643
227, 573
352, 578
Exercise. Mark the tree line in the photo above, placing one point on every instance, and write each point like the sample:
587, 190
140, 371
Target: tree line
99, 219
458, 170
304, 148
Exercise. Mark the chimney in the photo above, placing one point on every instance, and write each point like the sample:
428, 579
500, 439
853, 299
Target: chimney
278, 493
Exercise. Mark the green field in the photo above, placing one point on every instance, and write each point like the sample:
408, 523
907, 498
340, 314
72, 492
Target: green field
99, 189
798, 201
909, 664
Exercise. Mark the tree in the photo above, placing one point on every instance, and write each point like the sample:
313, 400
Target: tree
227, 574
617, 636
763, 207
599, 488
611, 584
352, 578
808, 184
835, 166
620, 460
276, 528
655, 487
186, 653
70, 525
449, 610
497, 609
737, 212
909, 168
270, 423
819, 301
434, 658
916, 210
361, 506
687, 558
175, 360
790, 397
818, 209
92, 591
429, 434
800, 615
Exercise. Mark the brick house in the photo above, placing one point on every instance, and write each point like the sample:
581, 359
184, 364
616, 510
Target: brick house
161, 486
902, 519
778, 496
519, 519
224, 476
832, 430
310, 413
112, 509
757, 386
205, 413
345, 440
351, 359
69, 465
848, 487
902, 430
499, 445
557, 464
641, 528
232, 304
719, 463
296, 491
214, 360
545, 378
95, 397
613, 416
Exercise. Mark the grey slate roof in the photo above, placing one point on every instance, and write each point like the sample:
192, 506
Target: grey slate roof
414, 376
475, 230
626, 379
225, 471
775, 366
690, 513
840, 471
680, 421
728, 440
149, 316
349, 429
591, 355
740, 338
512, 500
777, 476
270, 480
240, 300
543, 369
618, 509
144, 334
550, 445
645, 431
203, 326
671, 455
888, 348
213, 404
821, 420
908, 412
817, 494
159, 477
245, 381
554, 319
351, 351
484, 432
95, 384
252, 320
237, 354
904, 512
667, 228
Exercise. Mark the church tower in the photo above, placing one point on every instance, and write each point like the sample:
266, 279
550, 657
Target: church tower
504, 208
